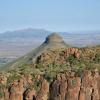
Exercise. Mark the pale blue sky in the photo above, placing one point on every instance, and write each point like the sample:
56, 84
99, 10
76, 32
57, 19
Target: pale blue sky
54, 15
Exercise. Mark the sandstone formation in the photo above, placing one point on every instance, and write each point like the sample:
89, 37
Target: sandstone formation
66, 86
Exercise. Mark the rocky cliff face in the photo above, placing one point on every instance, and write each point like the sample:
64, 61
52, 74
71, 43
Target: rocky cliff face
71, 87
66, 86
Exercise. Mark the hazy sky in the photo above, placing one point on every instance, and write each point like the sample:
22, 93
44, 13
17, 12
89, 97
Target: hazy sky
54, 15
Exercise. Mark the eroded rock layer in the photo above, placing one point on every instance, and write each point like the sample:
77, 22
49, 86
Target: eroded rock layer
66, 86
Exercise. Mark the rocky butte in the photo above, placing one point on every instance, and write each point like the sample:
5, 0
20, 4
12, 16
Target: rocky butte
59, 72
54, 38
55, 41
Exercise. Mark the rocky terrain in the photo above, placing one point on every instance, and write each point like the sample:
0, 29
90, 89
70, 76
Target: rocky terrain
54, 71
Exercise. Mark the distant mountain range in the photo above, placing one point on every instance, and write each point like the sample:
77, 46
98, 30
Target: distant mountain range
38, 35
14, 44
25, 33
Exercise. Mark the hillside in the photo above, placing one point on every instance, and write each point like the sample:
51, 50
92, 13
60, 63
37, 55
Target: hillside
53, 71
53, 41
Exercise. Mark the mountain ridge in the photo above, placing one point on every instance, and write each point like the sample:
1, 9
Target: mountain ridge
52, 41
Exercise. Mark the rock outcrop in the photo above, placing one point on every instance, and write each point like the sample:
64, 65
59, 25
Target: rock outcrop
44, 89
59, 57
76, 88
66, 86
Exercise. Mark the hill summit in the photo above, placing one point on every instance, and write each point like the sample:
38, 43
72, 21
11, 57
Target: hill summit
54, 37
54, 41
